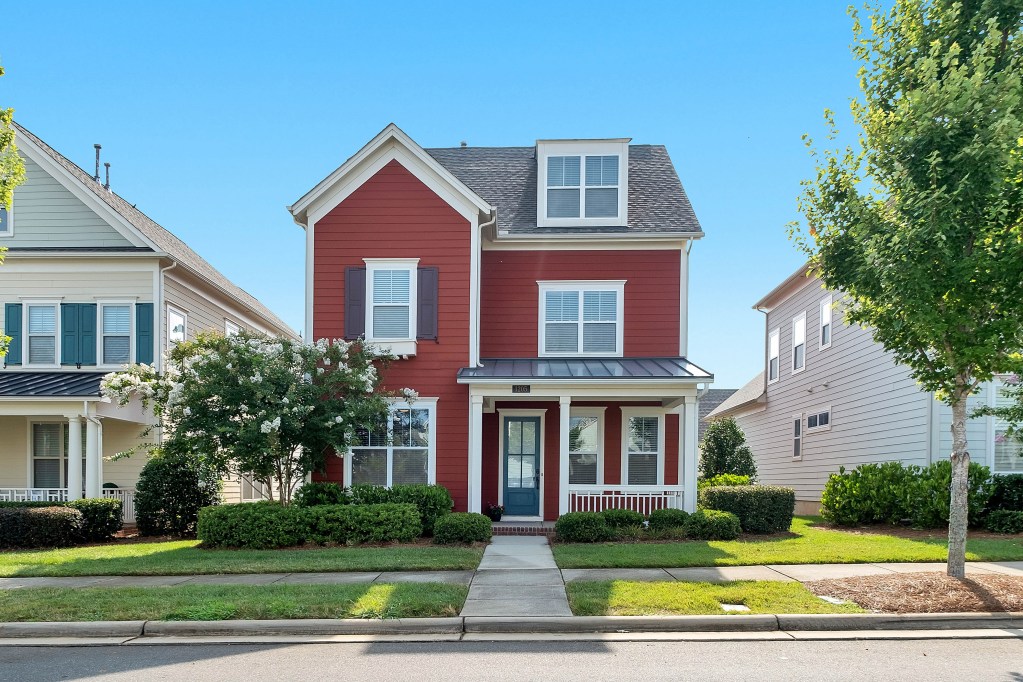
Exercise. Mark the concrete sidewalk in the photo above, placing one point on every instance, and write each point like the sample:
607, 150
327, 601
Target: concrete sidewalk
517, 577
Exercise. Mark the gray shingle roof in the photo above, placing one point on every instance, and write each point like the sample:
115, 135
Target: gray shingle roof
506, 178
50, 384
162, 237
751, 393
598, 369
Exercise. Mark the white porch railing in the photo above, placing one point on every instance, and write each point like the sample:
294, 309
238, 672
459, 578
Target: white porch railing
125, 495
641, 498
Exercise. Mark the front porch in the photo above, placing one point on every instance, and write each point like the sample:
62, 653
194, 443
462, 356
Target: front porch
582, 435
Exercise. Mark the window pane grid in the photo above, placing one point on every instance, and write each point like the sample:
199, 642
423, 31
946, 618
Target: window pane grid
394, 452
596, 331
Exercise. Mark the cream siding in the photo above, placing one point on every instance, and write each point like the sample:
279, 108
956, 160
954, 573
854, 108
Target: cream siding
47, 214
120, 436
206, 309
77, 280
14, 452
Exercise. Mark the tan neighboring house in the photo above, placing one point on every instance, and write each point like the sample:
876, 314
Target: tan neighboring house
830, 396
90, 284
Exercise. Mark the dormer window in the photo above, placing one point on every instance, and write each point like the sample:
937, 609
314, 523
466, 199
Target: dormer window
582, 183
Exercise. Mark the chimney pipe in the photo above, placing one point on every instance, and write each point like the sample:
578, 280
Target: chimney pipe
96, 176
107, 184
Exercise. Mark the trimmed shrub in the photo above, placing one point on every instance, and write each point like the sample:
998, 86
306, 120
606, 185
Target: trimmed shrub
582, 527
462, 527
759, 508
101, 517
255, 525
723, 479
433, 501
1007, 493
316, 493
664, 519
352, 524
710, 524
724, 451
26, 527
622, 518
932, 494
1004, 521
171, 490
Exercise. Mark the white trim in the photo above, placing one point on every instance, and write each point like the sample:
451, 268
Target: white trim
231, 328
826, 305
801, 317
396, 346
183, 314
310, 263
597, 412
429, 404
100, 304
689, 455
774, 335
475, 292
474, 486
9, 231
582, 286
26, 332
817, 412
627, 413
504, 240
683, 304
582, 149
502, 414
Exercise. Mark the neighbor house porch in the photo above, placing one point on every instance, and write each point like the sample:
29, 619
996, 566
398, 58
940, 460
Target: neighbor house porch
552, 436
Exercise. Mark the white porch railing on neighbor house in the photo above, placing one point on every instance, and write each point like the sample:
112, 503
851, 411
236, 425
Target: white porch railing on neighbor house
125, 495
641, 498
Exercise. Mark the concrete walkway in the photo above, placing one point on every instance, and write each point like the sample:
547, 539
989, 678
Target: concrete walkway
517, 567
517, 577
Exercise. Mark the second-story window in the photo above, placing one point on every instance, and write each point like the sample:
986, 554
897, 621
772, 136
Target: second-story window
773, 355
799, 343
116, 342
177, 327
581, 318
825, 327
391, 304
574, 194
42, 334
231, 329
6, 224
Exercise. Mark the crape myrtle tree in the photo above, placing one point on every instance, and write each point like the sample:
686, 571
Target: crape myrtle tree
920, 222
12, 174
268, 408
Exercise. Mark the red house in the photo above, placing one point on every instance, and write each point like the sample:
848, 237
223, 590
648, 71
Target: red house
537, 299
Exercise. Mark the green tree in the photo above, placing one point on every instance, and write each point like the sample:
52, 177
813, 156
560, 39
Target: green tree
12, 174
723, 450
920, 221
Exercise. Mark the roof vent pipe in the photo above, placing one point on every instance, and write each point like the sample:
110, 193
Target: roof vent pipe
464, 144
96, 176
106, 185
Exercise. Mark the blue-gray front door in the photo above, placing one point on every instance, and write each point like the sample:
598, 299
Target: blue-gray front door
522, 466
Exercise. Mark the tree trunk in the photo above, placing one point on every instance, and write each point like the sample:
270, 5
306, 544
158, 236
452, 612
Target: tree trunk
959, 510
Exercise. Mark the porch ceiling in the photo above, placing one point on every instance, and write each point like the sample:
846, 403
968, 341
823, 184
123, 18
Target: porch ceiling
584, 370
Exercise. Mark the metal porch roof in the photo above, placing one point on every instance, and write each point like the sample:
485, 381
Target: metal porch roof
584, 369
50, 384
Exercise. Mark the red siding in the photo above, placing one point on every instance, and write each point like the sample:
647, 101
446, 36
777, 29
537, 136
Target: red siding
394, 215
510, 297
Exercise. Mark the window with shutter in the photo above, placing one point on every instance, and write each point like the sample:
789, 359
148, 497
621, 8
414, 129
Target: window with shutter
41, 334
581, 318
116, 334
391, 310
644, 448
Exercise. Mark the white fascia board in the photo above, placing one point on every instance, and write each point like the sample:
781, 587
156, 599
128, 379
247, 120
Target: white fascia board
338, 185
84, 194
597, 240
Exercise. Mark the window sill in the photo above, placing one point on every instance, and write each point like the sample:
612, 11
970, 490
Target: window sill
400, 348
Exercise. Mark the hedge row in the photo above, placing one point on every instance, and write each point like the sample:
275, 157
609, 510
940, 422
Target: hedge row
25, 524
704, 524
759, 508
432, 501
268, 525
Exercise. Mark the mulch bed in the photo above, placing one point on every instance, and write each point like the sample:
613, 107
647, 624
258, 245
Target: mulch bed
926, 592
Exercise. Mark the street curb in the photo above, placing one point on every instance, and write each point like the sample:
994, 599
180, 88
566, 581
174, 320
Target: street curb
866, 622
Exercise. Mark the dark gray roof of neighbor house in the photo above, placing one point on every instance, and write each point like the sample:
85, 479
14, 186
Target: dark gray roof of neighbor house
708, 402
597, 369
162, 237
753, 392
506, 177
50, 384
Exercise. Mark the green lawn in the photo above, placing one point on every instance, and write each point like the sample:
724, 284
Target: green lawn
808, 543
184, 558
625, 598
222, 602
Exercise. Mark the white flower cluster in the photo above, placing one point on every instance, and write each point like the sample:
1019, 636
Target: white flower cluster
271, 426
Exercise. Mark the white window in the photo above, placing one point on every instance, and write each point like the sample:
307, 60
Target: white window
49, 455
585, 446
231, 329
1008, 457
41, 323
797, 436
819, 421
643, 447
825, 330
401, 451
115, 341
773, 356
177, 327
799, 343
581, 318
563, 191
6, 221
253, 490
391, 299
582, 183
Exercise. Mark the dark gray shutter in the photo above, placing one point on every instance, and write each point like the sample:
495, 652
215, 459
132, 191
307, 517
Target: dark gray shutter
355, 303
426, 322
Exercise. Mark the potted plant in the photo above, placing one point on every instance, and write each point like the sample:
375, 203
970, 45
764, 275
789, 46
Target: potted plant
495, 511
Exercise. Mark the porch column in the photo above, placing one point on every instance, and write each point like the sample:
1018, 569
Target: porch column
564, 418
475, 501
92, 458
690, 455
74, 458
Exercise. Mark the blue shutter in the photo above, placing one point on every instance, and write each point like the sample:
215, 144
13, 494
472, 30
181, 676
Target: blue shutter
87, 333
144, 337
69, 334
12, 328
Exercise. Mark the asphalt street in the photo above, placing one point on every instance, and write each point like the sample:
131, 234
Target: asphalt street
533, 660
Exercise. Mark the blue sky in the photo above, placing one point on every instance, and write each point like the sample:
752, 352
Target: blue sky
215, 116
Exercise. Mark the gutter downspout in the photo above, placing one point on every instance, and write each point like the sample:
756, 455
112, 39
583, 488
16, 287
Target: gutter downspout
478, 276
158, 357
